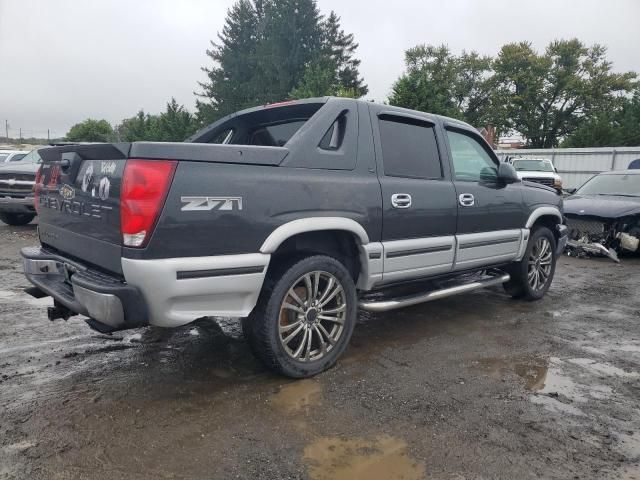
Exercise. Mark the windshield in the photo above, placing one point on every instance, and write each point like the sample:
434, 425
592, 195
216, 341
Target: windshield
532, 165
625, 185
32, 157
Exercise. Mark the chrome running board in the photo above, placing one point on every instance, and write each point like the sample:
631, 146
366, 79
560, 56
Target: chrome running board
401, 302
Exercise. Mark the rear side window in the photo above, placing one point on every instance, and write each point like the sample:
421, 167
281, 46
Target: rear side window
332, 140
223, 137
271, 125
409, 148
275, 135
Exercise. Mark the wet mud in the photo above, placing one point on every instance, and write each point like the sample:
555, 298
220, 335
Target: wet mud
477, 386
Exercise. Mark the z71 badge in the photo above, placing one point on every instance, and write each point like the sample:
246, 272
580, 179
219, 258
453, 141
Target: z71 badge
211, 203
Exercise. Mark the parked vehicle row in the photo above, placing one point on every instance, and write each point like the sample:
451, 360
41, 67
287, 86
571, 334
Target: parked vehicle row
12, 155
17, 180
537, 170
603, 215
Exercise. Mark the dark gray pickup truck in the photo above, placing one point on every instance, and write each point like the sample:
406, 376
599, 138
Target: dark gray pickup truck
291, 216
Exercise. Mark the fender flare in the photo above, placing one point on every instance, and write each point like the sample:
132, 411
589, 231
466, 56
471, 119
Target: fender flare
312, 224
542, 211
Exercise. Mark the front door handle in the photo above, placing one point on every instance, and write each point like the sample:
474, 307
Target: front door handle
466, 200
401, 200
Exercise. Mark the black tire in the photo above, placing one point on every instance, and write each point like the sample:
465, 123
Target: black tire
521, 284
16, 219
262, 327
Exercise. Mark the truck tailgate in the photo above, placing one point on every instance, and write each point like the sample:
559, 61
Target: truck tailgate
78, 202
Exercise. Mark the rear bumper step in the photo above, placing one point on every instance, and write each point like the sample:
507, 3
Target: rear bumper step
77, 289
395, 303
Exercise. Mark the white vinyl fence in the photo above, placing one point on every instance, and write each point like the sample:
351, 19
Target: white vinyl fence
577, 165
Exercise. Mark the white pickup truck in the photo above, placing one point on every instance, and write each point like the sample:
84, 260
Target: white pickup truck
538, 170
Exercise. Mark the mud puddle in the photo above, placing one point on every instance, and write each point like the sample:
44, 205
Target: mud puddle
298, 396
381, 458
555, 378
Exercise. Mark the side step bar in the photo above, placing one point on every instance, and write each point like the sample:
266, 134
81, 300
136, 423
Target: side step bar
392, 304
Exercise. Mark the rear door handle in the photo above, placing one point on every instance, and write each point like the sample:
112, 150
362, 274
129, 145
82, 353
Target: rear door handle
401, 200
466, 200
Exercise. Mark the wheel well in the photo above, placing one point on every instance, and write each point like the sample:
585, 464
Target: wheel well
549, 221
339, 244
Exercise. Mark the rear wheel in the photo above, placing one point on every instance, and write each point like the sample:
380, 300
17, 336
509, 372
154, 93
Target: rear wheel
16, 219
532, 276
304, 317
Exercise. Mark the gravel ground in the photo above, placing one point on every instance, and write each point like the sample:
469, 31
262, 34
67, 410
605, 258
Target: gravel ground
472, 387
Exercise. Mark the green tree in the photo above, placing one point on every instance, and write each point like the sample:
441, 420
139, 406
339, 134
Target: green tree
175, 124
610, 128
138, 128
91, 131
545, 97
233, 81
271, 50
439, 82
334, 71
291, 39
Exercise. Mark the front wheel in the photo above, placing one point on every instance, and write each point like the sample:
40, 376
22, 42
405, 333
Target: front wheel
304, 317
16, 219
531, 277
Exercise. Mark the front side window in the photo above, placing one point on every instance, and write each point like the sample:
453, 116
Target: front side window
409, 148
17, 157
471, 162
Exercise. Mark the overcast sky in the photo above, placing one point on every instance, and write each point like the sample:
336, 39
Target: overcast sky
62, 61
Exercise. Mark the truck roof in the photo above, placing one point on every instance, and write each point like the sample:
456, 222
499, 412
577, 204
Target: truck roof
447, 120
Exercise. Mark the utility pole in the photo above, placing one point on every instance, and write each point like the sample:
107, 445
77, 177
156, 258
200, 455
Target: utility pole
20, 135
6, 129
48, 138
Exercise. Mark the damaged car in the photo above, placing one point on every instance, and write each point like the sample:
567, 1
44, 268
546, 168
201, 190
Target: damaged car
603, 215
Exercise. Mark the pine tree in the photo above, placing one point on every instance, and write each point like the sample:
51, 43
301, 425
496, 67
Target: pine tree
291, 38
176, 124
271, 50
138, 128
334, 70
232, 80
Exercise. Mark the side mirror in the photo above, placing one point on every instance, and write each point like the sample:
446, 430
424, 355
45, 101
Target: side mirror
570, 191
507, 173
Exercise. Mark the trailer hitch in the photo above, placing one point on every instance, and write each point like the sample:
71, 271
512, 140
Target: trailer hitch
59, 311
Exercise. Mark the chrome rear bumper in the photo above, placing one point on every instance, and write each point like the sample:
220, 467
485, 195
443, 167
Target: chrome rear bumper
101, 297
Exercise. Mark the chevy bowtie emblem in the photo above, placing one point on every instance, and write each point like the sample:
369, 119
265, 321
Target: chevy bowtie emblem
67, 192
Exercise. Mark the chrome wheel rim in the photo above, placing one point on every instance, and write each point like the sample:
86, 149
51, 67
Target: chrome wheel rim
540, 261
312, 316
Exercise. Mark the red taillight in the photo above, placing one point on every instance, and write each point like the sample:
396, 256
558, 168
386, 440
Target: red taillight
145, 184
36, 189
